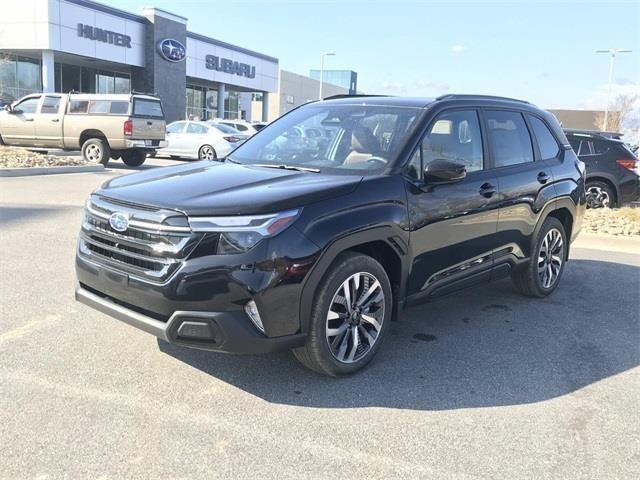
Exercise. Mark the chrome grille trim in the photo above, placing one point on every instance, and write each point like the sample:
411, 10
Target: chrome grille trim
148, 249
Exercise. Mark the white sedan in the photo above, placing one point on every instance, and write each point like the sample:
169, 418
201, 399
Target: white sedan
187, 139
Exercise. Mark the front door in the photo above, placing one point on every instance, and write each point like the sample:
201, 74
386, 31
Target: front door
453, 225
18, 126
48, 122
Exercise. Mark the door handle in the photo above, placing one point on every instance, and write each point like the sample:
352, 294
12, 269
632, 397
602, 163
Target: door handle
149, 123
543, 177
487, 190
55, 120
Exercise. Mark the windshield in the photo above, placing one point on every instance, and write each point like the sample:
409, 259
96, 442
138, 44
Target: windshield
332, 138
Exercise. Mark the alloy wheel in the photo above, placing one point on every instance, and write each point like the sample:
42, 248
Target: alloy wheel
550, 258
355, 317
598, 197
207, 153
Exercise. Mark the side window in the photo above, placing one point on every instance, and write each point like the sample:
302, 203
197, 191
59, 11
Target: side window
50, 104
454, 136
99, 106
599, 147
196, 128
585, 148
547, 143
509, 137
175, 127
119, 108
29, 105
78, 106
575, 144
414, 167
241, 128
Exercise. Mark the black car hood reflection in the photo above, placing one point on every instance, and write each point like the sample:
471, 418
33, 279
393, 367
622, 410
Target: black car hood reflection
212, 188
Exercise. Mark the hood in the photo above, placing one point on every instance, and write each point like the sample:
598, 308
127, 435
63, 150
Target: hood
212, 188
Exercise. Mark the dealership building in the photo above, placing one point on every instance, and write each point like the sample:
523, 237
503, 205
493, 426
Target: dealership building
85, 46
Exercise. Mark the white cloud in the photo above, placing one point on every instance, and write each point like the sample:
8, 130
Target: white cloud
433, 86
458, 48
393, 86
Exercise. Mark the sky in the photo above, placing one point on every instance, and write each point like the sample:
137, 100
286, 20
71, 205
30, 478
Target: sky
538, 51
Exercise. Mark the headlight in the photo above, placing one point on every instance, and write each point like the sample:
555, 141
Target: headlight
239, 234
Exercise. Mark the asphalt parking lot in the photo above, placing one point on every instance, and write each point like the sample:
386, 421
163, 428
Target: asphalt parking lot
484, 384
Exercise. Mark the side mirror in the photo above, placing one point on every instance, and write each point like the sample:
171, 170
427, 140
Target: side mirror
444, 171
7, 108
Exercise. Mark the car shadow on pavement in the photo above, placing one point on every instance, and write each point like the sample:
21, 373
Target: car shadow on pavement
121, 166
483, 347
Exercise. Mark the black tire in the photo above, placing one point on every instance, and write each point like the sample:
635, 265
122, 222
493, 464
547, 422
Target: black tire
600, 195
134, 158
116, 154
317, 354
96, 150
1, 141
528, 280
207, 152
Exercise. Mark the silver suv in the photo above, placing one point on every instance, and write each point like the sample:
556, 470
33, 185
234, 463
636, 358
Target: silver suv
102, 126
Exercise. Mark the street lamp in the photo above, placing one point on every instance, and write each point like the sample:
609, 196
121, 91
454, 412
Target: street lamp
613, 53
327, 54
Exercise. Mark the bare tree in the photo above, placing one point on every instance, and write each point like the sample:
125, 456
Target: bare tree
618, 111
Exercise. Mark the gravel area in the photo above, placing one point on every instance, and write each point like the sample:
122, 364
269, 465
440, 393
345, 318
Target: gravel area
617, 221
11, 157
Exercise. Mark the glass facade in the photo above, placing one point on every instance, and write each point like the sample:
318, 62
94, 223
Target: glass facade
19, 76
202, 103
90, 80
343, 78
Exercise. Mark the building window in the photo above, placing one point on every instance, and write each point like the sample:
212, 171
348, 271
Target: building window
19, 76
290, 99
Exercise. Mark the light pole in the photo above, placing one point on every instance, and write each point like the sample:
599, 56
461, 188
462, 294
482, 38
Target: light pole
612, 52
327, 54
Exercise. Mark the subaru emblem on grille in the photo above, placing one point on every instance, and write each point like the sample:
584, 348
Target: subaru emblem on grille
119, 221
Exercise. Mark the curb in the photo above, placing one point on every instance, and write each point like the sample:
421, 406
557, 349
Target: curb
31, 171
612, 243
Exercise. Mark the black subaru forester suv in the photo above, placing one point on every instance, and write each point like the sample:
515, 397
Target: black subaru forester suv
316, 246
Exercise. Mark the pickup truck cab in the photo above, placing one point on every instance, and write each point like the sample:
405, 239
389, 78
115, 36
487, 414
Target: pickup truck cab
101, 126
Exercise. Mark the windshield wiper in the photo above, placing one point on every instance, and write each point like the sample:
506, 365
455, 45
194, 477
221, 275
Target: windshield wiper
229, 159
287, 167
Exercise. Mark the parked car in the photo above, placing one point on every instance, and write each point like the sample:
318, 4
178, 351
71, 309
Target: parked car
239, 125
231, 135
259, 125
199, 140
100, 126
612, 169
413, 199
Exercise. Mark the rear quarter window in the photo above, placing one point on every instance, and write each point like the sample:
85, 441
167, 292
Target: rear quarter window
147, 108
78, 106
547, 143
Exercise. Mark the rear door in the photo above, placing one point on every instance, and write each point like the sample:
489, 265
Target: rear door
525, 179
195, 136
175, 139
453, 225
48, 122
148, 120
18, 126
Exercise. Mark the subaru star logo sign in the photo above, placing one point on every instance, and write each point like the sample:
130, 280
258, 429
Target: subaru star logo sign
171, 50
119, 221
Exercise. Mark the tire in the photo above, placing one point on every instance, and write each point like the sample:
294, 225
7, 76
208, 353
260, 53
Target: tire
540, 278
600, 195
207, 152
335, 355
116, 154
134, 158
96, 150
1, 141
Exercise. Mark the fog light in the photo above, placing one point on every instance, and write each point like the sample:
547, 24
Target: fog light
252, 312
195, 330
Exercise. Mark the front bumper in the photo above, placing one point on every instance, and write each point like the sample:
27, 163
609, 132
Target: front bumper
215, 331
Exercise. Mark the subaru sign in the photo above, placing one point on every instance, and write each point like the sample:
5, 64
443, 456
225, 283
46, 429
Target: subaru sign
119, 221
171, 50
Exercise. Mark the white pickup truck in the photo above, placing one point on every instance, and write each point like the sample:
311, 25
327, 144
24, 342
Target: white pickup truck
101, 126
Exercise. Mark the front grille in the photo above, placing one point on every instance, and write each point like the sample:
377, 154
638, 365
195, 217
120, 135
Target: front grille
153, 246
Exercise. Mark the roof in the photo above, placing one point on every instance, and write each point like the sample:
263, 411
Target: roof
422, 102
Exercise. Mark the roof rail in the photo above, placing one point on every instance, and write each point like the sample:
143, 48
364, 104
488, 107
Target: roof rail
136, 92
454, 96
346, 95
